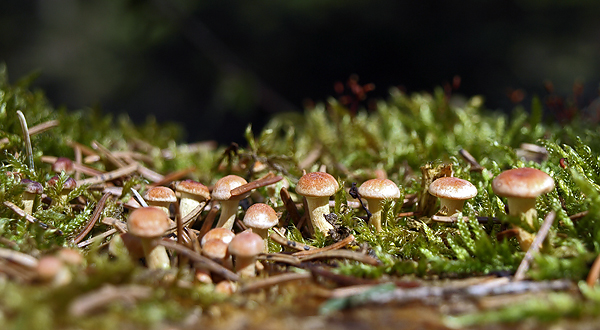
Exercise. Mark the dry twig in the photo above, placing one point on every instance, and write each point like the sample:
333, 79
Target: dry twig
535, 246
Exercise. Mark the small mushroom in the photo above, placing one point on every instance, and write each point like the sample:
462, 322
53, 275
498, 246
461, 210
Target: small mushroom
452, 192
150, 224
317, 187
375, 191
229, 204
216, 250
32, 189
521, 187
192, 194
52, 270
245, 246
219, 233
63, 164
260, 217
67, 187
160, 197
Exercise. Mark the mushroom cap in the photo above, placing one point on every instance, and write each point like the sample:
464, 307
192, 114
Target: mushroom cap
215, 249
223, 186
160, 194
148, 222
220, 233
452, 188
379, 189
317, 184
260, 216
522, 182
246, 244
63, 164
32, 187
193, 188
69, 184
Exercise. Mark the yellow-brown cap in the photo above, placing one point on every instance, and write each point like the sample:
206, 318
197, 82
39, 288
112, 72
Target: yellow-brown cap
160, 194
193, 188
223, 186
452, 188
219, 233
148, 222
522, 182
317, 184
260, 216
379, 189
246, 244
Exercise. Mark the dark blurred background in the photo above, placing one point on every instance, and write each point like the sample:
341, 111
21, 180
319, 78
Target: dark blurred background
216, 65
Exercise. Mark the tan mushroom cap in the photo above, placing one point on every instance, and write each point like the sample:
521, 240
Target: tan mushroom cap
160, 194
522, 182
317, 184
193, 188
63, 164
148, 222
32, 187
69, 184
219, 233
452, 188
215, 249
260, 216
379, 189
246, 244
223, 186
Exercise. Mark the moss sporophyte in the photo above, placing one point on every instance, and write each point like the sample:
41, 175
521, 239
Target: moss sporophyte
413, 245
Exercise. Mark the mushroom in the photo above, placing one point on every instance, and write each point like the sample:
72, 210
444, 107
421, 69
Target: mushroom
52, 270
229, 204
149, 224
219, 233
521, 187
63, 164
317, 187
192, 194
67, 187
245, 246
216, 250
260, 217
126, 244
32, 188
452, 192
160, 197
375, 191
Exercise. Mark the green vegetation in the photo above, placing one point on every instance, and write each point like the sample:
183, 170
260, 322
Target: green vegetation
403, 134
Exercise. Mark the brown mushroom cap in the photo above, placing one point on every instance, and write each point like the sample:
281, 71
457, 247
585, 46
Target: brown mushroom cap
160, 194
193, 188
63, 164
220, 233
223, 186
69, 184
522, 182
32, 187
260, 216
317, 184
215, 249
246, 244
379, 189
452, 188
148, 222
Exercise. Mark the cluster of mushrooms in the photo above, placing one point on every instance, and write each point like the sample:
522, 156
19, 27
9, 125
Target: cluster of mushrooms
147, 224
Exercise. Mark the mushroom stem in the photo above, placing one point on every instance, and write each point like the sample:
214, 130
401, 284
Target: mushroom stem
452, 205
228, 213
375, 207
187, 204
156, 255
318, 207
524, 208
245, 266
161, 205
28, 199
